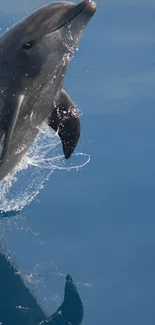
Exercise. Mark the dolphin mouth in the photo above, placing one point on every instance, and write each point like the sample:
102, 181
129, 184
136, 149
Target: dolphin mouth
89, 6
77, 9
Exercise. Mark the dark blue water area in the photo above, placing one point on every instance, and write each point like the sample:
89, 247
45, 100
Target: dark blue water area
97, 223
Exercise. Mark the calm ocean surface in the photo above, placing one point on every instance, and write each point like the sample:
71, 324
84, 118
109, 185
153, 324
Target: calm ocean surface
98, 223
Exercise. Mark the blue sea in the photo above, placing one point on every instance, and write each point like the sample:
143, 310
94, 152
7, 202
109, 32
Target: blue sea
97, 222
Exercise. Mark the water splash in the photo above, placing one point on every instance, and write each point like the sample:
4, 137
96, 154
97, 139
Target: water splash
21, 186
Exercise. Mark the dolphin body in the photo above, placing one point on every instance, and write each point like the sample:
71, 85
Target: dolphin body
34, 56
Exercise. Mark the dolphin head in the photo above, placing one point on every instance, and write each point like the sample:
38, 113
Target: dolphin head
34, 56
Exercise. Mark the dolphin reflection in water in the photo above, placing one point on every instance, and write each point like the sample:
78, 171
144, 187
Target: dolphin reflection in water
18, 305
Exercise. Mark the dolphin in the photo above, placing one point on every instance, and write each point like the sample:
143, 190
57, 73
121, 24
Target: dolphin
34, 56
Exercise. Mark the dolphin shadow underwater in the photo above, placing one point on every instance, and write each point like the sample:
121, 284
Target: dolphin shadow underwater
34, 56
18, 306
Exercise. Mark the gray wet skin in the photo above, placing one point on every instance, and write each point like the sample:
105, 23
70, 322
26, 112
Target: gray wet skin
34, 56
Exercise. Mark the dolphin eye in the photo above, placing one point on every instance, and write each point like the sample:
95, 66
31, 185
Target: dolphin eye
28, 45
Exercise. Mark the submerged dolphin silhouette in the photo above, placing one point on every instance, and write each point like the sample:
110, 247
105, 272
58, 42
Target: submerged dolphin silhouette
34, 56
22, 308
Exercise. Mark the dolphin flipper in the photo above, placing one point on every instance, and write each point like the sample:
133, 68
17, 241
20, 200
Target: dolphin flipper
65, 120
71, 310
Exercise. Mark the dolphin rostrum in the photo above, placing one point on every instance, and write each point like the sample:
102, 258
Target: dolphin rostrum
34, 56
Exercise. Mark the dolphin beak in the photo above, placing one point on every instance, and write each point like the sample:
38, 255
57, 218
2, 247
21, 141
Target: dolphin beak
87, 5
70, 12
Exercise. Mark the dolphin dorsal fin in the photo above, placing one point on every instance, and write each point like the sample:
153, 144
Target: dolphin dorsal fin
71, 310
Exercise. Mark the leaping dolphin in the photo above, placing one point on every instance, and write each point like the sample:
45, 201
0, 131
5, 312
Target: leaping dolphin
34, 56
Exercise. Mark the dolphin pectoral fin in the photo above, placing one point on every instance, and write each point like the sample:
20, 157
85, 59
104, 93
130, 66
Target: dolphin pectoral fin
65, 120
